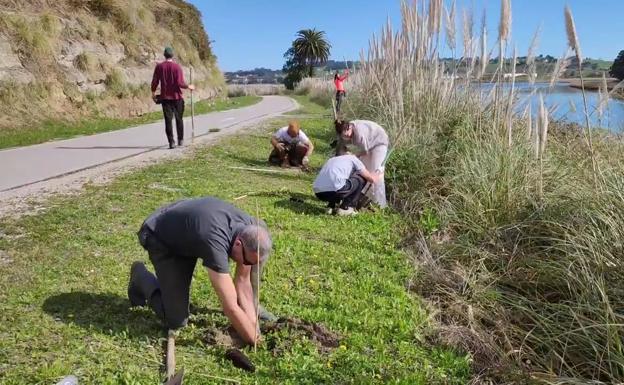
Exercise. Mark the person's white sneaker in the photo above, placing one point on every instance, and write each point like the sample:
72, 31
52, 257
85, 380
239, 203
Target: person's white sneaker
329, 211
346, 212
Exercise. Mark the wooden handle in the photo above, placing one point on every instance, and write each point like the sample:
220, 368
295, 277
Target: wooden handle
171, 363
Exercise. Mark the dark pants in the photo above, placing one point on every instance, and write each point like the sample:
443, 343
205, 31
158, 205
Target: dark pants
339, 96
171, 109
347, 196
293, 153
174, 275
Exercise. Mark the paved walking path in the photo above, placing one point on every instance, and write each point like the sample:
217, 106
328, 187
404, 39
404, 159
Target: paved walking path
24, 166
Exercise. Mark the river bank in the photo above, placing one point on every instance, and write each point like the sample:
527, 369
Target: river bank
594, 84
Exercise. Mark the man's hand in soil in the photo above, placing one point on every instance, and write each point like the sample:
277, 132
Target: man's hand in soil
239, 317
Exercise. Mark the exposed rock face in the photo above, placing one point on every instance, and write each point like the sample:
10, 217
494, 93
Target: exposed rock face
11, 68
74, 53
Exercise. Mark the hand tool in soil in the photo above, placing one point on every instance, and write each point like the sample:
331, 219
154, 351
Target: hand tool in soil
172, 378
240, 360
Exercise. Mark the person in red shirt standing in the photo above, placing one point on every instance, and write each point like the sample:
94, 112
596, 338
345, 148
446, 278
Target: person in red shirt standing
171, 79
340, 91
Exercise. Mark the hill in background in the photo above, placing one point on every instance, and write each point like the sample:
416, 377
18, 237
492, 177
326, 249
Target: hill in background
71, 58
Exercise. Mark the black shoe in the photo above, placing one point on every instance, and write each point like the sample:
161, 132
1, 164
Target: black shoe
135, 295
180, 142
171, 146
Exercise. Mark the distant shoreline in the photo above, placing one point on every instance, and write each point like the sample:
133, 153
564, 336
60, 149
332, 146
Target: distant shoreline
594, 84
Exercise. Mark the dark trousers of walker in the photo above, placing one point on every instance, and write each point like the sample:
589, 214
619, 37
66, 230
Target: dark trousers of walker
173, 109
174, 274
347, 196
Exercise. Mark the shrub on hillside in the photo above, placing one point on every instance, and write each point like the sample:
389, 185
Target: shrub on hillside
184, 17
116, 84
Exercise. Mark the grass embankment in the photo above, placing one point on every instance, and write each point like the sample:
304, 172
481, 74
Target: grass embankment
63, 276
592, 84
55, 130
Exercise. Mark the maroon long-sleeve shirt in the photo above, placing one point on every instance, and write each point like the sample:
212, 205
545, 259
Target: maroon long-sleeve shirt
171, 78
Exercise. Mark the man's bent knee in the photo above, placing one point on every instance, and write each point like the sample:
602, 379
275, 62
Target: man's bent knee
176, 321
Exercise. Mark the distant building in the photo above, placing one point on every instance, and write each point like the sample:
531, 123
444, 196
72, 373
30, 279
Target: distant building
255, 76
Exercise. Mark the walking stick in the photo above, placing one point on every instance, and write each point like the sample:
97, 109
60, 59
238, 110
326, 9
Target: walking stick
192, 111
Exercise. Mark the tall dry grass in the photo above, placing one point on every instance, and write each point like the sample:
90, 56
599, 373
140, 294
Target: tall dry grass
235, 90
320, 90
526, 272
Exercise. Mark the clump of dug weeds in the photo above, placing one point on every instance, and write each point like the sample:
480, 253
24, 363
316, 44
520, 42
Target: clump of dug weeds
279, 335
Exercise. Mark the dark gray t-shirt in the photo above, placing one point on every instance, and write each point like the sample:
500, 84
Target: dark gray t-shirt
199, 228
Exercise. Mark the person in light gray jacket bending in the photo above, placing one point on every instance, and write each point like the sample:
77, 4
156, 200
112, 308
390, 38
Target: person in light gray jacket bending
372, 143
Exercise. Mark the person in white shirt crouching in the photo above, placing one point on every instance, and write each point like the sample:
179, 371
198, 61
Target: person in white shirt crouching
291, 147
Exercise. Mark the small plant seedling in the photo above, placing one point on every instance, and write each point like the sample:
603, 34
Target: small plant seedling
429, 221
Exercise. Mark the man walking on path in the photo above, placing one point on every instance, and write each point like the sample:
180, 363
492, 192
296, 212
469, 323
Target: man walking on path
176, 235
171, 79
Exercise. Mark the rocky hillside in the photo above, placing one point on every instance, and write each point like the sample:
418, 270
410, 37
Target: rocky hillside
65, 59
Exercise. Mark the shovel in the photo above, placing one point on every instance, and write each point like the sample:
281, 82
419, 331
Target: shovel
172, 377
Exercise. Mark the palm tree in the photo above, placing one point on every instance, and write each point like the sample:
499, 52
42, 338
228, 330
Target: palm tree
311, 48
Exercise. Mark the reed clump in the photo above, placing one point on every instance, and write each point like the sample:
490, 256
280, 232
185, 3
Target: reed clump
525, 270
320, 90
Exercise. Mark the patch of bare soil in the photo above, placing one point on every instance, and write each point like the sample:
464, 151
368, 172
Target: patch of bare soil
280, 335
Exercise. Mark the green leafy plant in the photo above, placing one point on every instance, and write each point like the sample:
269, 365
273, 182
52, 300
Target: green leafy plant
429, 221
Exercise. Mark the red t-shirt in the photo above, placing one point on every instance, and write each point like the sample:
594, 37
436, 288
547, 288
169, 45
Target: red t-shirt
171, 78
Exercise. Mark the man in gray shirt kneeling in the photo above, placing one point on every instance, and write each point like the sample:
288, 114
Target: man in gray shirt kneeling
176, 235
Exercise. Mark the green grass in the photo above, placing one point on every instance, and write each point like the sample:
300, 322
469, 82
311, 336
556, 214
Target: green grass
308, 107
55, 129
63, 307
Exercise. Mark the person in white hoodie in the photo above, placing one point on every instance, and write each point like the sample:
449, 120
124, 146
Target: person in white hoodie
372, 142
340, 183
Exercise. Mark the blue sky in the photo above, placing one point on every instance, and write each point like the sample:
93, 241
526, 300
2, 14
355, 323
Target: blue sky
249, 34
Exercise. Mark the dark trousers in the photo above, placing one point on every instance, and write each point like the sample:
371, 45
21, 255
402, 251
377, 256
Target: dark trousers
174, 274
347, 196
293, 153
171, 109
339, 96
